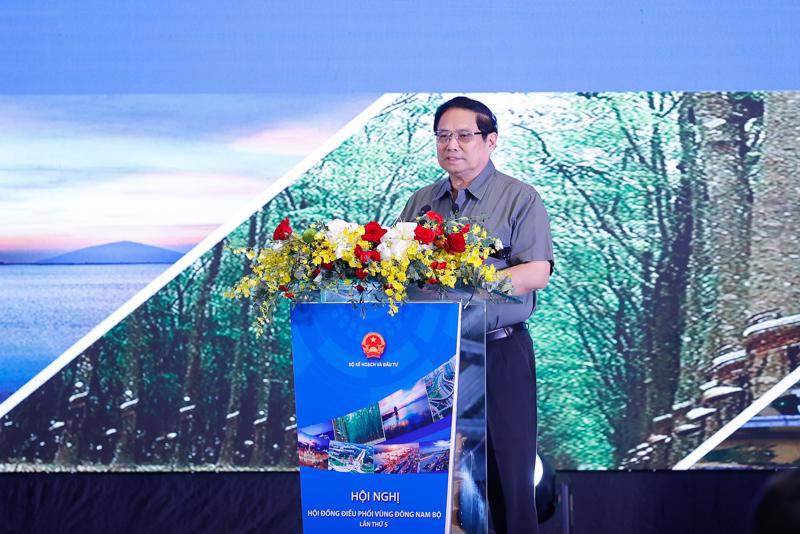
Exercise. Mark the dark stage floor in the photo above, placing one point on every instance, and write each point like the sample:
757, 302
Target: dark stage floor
174, 503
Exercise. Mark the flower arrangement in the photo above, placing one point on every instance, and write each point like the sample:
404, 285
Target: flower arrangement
433, 251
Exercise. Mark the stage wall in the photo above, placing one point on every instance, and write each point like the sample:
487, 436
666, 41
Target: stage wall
668, 335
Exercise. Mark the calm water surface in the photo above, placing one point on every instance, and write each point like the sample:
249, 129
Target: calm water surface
44, 309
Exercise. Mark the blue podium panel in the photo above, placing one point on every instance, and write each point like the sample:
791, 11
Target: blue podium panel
375, 398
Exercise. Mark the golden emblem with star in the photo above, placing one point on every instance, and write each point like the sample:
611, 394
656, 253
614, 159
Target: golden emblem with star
373, 345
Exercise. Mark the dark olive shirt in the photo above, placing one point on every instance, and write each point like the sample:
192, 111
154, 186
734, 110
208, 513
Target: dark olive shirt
512, 211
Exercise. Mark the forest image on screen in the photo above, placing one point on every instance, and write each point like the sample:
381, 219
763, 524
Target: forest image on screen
674, 304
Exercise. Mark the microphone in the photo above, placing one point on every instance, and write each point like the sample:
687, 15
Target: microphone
454, 207
502, 254
423, 210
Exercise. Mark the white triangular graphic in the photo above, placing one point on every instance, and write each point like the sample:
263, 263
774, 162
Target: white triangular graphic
737, 422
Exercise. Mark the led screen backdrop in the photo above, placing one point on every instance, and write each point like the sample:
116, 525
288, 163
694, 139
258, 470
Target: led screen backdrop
99, 194
672, 312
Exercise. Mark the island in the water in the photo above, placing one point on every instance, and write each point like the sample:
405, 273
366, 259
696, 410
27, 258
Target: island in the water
120, 252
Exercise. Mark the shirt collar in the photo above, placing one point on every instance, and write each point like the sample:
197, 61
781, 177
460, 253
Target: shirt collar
477, 188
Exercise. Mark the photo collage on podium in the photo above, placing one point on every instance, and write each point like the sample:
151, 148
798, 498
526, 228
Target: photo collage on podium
376, 439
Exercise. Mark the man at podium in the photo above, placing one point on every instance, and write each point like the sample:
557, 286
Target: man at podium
466, 135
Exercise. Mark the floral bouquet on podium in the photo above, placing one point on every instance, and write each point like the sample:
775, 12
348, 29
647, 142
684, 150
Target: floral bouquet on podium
434, 251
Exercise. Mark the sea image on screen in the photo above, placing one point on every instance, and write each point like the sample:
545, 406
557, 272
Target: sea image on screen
405, 410
396, 459
434, 456
312, 451
440, 385
350, 458
320, 430
361, 426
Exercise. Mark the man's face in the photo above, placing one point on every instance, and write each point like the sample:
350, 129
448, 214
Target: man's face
464, 161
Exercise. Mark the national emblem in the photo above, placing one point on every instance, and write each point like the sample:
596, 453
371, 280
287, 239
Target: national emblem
373, 345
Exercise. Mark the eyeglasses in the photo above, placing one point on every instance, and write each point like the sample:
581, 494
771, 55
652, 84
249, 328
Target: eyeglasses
443, 137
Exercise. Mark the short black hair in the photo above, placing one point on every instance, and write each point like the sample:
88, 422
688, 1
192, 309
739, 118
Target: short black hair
487, 122
778, 508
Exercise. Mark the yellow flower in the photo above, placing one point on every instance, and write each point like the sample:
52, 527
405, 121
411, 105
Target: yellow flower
293, 262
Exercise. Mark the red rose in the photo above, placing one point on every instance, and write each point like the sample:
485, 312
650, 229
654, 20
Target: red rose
432, 215
439, 230
423, 235
361, 254
465, 229
283, 231
361, 274
433, 281
360, 288
455, 243
288, 295
326, 266
373, 232
366, 255
439, 265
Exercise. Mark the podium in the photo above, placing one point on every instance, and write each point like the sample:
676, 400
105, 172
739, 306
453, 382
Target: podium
391, 414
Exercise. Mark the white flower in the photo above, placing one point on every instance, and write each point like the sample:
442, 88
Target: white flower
400, 231
337, 234
396, 240
393, 250
337, 227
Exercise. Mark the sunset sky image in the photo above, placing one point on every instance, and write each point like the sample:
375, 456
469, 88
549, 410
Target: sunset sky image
163, 170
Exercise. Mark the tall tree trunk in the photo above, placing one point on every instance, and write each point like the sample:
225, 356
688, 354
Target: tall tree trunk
774, 303
700, 289
258, 456
236, 380
718, 158
276, 431
668, 295
775, 267
194, 348
68, 450
125, 450
723, 232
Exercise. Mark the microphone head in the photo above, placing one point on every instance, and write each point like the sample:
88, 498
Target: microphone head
423, 210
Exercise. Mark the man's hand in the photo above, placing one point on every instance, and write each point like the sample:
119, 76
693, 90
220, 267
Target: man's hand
529, 276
